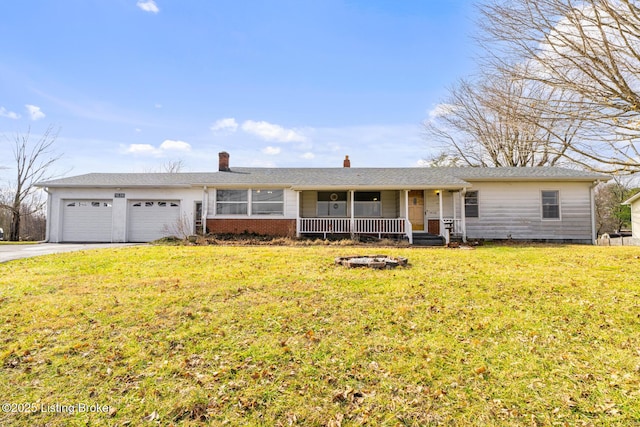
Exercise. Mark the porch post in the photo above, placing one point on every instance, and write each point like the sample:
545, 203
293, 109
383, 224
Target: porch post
408, 228
442, 229
352, 222
298, 207
463, 214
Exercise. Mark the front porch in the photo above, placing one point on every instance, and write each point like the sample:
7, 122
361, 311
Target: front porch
397, 214
396, 228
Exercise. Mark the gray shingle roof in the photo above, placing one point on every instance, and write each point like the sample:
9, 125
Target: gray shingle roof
317, 178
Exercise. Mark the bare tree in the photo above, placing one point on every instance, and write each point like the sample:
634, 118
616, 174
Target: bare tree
173, 166
611, 214
587, 54
170, 166
496, 121
33, 161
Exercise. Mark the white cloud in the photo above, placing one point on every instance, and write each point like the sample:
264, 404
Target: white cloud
148, 6
308, 156
158, 105
8, 114
172, 145
142, 149
168, 145
34, 112
227, 124
271, 132
442, 110
272, 151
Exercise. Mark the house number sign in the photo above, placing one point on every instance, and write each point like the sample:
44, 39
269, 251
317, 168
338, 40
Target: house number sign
119, 195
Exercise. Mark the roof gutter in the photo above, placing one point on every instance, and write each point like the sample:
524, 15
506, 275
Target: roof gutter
345, 187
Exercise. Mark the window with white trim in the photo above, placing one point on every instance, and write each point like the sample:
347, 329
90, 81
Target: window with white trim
267, 202
550, 204
231, 202
471, 204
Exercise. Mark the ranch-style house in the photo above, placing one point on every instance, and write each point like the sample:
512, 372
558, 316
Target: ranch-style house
538, 203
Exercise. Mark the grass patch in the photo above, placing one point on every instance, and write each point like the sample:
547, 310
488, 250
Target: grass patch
540, 335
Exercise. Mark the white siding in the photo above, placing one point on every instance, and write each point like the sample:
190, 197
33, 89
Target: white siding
432, 204
635, 219
309, 200
290, 204
514, 210
390, 206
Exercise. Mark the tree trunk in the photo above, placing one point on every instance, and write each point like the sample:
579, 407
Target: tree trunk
14, 230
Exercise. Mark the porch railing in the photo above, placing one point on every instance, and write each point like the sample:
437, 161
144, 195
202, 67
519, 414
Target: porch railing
455, 226
378, 226
325, 226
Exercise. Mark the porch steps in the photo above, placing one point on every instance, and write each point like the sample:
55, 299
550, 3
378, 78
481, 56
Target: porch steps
426, 239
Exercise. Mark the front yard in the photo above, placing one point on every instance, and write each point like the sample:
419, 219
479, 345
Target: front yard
239, 335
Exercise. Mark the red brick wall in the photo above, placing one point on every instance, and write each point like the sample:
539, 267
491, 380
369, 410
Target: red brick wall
269, 227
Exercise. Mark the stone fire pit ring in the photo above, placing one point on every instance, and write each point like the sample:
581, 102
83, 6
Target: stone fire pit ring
372, 261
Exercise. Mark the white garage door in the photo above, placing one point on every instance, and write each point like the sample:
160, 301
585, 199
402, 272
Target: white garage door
152, 219
86, 221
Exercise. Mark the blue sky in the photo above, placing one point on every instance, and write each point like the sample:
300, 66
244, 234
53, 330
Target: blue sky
134, 84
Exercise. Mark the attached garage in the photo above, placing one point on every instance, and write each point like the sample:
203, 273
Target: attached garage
152, 219
87, 220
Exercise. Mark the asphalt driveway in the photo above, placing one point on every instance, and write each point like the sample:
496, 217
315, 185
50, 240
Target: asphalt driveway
11, 252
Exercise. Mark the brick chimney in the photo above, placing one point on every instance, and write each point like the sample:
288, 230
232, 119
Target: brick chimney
346, 163
223, 161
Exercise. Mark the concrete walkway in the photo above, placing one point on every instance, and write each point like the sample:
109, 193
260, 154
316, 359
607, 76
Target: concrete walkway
11, 252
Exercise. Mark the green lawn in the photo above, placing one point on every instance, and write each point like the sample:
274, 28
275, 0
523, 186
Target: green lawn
270, 335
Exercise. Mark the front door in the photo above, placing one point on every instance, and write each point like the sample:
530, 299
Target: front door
198, 219
416, 209
433, 227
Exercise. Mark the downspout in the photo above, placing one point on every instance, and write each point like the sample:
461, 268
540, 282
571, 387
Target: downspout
463, 214
47, 229
592, 200
298, 220
203, 214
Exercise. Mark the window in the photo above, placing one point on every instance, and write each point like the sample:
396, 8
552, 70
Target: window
551, 204
332, 203
471, 204
367, 204
231, 202
267, 202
